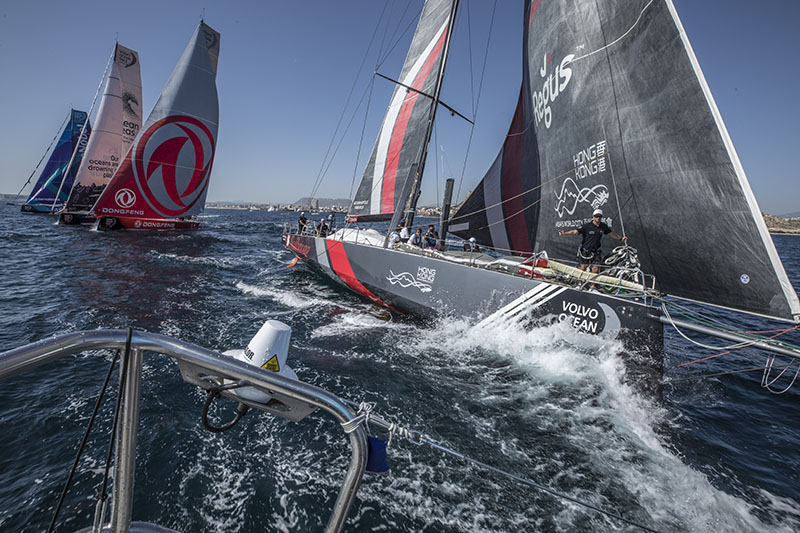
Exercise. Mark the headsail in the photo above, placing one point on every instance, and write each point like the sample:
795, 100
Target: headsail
386, 184
118, 121
619, 116
56, 176
165, 174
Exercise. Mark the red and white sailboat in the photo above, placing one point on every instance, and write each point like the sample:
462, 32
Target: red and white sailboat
163, 181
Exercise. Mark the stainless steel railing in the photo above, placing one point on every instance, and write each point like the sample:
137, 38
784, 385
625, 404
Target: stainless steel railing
27, 357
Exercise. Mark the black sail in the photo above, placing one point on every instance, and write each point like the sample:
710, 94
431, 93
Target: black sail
619, 117
386, 183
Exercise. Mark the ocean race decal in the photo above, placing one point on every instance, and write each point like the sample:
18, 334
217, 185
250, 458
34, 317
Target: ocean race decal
425, 276
173, 164
579, 191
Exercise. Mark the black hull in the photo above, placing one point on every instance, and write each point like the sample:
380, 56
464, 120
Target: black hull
73, 219
424, 285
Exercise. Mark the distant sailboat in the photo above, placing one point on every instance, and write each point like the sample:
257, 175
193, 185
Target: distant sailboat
163, 181
52, 188
118, 121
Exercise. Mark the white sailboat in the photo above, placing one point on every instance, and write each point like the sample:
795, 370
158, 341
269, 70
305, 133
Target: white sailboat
118, 121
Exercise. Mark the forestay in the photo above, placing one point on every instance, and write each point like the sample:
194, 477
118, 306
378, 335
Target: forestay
615, 113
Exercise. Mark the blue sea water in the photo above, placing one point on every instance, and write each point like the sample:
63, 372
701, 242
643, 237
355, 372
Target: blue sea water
712, 454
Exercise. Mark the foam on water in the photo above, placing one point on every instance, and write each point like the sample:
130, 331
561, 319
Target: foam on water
575, 388
284, 297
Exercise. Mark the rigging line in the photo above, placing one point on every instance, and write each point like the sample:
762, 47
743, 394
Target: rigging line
366, 414
767, 386
399, 37
726, 373
58, 134
361, 142
85, 439
730, 347
501, 202
699, 317
320, 174
83, 129
477, 101
619, 122
618, 39
341, 140
469, 50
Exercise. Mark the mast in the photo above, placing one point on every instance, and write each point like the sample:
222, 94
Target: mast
415, 189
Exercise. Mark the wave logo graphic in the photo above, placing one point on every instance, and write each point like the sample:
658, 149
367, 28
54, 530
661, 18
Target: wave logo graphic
125, 198
173, 163
571, 195
406, 279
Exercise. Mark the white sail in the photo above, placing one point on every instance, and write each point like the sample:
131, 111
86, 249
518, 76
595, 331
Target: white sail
118, 121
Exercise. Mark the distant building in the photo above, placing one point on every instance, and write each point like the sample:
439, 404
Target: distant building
315, 204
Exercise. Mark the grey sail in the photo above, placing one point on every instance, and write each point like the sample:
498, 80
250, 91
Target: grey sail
619, 116
386, 183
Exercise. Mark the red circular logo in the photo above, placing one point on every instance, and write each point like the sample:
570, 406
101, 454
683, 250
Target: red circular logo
173, 164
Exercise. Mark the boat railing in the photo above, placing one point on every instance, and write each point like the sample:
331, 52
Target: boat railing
617, 281
206, 368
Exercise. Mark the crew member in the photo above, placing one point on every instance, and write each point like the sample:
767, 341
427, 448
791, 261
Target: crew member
301, 223
471, 245
405, 233
322, 229
589, 252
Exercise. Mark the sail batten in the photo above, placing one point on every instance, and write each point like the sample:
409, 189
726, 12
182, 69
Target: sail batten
619, 116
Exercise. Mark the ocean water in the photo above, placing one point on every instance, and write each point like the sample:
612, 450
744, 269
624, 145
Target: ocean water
711, 454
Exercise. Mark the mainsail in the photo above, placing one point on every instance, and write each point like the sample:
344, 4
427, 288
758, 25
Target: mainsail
387, 181
51, 189
165, 174
616, 114
118, 121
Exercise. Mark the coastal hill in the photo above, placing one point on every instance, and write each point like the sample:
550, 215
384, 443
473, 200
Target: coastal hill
788, 226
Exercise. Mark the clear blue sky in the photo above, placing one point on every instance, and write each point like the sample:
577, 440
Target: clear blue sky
286, 69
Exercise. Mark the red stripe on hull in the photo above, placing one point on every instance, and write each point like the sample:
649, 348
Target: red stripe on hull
400, 125
341, 265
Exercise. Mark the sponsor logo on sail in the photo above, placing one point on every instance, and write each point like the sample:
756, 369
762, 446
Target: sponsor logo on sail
125, 57
571, 195
173, 164
125, 198
553, 85
588, 162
